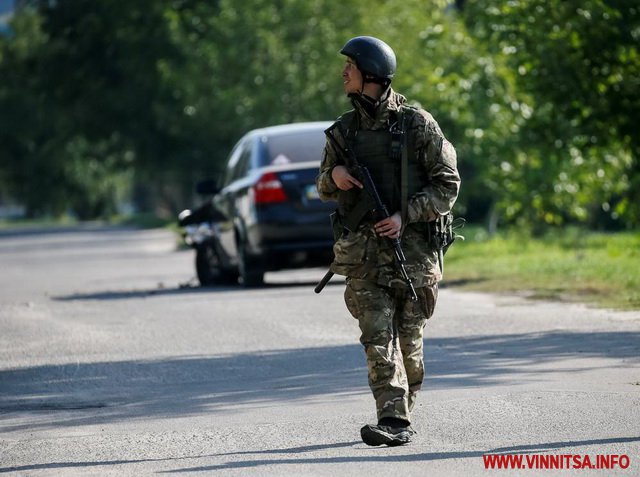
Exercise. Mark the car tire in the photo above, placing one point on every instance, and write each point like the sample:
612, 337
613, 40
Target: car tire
209, 269
251, 274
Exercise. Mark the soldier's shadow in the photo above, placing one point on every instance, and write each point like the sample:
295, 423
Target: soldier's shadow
356, 456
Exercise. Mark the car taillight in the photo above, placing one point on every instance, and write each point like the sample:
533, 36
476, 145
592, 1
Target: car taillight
269, 190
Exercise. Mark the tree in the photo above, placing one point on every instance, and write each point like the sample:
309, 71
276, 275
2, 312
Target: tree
83, 100
578, 72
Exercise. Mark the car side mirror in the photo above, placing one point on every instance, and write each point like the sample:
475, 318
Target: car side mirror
207, 187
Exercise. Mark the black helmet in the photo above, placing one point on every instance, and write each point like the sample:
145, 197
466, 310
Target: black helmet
372, 56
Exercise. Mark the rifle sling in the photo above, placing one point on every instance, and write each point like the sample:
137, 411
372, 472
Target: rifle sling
404, 170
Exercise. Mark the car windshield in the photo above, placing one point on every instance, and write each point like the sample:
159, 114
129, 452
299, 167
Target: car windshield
301, 146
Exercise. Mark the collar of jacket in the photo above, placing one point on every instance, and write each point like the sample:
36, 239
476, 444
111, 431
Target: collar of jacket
392, 102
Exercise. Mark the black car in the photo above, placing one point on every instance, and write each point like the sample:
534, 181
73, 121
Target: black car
266, 214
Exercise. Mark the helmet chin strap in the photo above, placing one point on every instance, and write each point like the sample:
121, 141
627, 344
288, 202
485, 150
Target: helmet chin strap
368, 103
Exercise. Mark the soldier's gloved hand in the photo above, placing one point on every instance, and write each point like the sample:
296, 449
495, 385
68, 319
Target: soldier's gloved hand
390, 227
344, 180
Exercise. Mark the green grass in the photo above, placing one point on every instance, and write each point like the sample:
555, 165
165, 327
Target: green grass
8, 224
141, 221
596, 268
144, 221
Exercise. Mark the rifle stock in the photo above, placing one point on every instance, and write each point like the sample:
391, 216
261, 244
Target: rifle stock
323, 282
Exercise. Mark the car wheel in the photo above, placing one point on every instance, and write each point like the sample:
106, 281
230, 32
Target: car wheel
208, 267
251, 274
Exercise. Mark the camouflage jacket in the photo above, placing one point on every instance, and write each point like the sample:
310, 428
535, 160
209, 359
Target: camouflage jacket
362, 253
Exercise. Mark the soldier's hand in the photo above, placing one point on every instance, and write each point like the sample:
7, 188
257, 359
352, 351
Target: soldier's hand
344, 180
389, 227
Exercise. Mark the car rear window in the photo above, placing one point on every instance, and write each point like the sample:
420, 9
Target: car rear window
301, 146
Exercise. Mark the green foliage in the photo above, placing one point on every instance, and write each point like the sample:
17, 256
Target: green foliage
577, 69
78, 103
468, 91
248, 71
100, 99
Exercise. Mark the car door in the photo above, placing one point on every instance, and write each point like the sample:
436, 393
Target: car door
232, 190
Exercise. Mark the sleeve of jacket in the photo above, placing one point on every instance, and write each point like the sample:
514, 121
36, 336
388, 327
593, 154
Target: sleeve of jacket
438, 157
324, 182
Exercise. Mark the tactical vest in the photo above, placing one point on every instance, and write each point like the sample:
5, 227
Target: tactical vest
374, 149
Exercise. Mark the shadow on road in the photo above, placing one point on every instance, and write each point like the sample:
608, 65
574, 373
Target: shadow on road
190, 287
550, 447
182, 386
383, 458
184, 289
90, 393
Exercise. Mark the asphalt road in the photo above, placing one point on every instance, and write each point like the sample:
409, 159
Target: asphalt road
109, 365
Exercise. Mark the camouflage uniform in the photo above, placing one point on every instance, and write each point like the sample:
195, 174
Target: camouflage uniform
391, 324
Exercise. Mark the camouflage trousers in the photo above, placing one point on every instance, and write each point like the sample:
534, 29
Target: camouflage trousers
392, 329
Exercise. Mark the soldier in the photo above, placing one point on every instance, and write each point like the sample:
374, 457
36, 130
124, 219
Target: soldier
414, 168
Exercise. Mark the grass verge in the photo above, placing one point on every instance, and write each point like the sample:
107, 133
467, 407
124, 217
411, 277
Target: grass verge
141, 221
601, 269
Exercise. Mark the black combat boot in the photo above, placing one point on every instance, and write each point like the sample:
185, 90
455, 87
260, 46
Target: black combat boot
389, 431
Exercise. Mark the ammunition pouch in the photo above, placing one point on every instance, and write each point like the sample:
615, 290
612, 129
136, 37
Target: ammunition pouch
354, 254
442, 232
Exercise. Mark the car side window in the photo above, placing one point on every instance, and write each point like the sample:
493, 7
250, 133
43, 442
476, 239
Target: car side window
242, 167
231, 163
239, 162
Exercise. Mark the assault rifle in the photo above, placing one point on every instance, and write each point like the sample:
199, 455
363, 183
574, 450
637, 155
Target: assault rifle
381, 212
